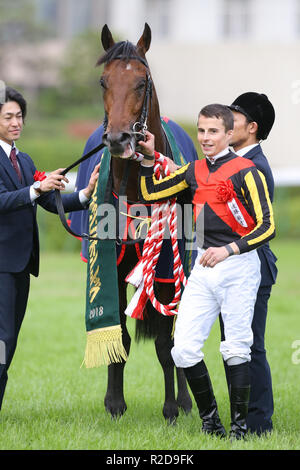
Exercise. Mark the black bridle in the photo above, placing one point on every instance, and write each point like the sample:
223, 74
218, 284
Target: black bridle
138, 129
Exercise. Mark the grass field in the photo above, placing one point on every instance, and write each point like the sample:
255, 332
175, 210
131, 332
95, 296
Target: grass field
52, 403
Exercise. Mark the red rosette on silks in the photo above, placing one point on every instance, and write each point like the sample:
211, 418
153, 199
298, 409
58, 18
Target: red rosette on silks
225, 191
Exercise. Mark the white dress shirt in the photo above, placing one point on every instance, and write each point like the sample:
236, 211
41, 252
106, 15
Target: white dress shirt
218, 155
245, 150
7, 147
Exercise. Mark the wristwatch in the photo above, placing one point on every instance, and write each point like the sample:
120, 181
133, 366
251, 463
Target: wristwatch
37, 187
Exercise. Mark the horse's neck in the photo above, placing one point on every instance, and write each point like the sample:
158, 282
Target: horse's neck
118, 170
154, 124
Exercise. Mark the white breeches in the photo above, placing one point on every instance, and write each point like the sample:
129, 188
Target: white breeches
230, 287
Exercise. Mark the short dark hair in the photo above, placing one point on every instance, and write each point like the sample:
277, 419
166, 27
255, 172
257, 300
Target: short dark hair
13, 95
219, 111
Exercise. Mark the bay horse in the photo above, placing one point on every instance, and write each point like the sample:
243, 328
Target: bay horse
129, 97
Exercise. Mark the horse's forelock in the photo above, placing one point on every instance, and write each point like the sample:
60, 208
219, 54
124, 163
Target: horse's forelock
123, 50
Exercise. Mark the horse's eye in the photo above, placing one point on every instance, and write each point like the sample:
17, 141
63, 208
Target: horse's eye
102, 83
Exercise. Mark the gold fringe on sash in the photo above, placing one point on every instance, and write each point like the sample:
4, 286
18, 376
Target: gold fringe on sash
104, 346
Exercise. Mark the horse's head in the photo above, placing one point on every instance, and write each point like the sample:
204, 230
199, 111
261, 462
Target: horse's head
127, 88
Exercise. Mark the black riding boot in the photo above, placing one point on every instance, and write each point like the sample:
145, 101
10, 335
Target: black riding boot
239, 399
200, 384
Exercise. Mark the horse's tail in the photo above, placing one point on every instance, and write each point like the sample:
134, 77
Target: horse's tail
147, 328
154, 324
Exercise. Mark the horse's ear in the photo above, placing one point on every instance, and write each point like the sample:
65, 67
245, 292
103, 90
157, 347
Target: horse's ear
145, 40
106, 38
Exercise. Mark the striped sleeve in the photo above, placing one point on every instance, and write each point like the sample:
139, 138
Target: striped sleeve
256, 194
153, 190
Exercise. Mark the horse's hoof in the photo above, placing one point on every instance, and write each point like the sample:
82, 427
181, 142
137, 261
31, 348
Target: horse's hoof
116, 410
172, 421
115, 414
185, 405
170, 412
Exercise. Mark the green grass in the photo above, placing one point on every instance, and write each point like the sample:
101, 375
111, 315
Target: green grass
52, 403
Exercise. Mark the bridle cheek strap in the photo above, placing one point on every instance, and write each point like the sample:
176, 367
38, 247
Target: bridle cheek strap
139, 127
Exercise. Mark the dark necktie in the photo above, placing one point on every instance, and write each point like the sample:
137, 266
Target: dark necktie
13, 159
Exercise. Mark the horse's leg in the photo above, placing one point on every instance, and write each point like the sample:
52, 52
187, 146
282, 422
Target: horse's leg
163, 346
114, 399
184, 400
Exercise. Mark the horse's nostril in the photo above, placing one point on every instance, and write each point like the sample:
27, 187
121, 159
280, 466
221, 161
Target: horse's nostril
120, 138
125, 137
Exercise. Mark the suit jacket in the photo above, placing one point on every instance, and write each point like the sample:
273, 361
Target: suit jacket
267, 257
19, 239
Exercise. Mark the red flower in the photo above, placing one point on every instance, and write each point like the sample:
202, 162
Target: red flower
39, 176
225, 191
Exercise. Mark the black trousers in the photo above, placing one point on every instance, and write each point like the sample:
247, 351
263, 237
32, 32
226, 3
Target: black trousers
261, 405
14, 290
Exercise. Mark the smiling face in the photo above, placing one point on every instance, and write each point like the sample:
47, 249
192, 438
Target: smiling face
11, 122
212, 136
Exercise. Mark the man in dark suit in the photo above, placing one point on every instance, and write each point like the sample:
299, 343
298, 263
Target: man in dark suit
19, 243
253, 120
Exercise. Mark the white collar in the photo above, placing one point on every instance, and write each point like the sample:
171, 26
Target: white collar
7, 147
223, 152
241, 152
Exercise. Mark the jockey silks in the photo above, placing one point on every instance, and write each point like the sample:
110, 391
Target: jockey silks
232, 193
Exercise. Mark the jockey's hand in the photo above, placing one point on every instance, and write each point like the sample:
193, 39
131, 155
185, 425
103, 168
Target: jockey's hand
214, 255
172, 165
88, 191
147, 148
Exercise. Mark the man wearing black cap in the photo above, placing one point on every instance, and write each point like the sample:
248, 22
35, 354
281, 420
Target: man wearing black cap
253, 120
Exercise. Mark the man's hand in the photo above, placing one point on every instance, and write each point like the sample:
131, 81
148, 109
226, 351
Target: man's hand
213, 256
53, 181
88, 191
148, 149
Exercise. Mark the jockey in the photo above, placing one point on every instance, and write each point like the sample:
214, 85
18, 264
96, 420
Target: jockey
234, 216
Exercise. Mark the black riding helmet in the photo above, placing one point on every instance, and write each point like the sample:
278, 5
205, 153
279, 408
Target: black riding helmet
256, 107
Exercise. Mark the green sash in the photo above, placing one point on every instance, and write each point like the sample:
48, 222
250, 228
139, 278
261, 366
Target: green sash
104, 336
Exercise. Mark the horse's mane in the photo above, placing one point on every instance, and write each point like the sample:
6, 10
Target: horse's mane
123, 50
